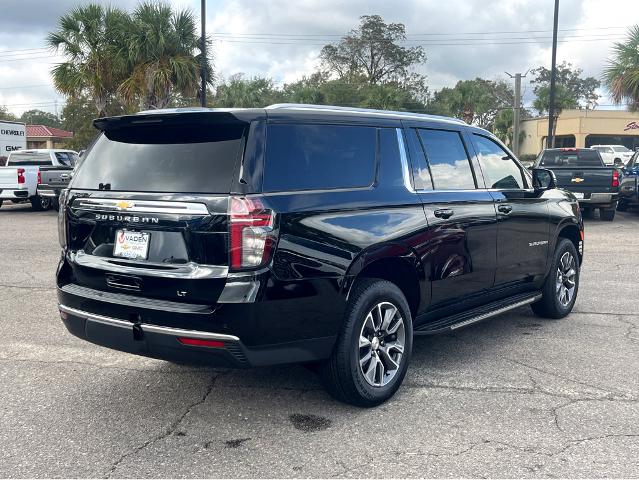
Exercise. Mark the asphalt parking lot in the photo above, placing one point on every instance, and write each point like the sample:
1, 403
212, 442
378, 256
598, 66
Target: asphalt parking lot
515, 396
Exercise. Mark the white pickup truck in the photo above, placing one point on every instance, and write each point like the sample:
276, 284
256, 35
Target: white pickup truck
19, 180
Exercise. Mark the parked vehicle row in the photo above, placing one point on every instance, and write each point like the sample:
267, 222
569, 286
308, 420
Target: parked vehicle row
309, 234
36, 176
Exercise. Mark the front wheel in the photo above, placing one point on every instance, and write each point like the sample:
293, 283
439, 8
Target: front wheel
1, 203
371, 356
559, 292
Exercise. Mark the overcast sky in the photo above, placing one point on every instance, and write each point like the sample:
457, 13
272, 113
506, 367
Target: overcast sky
463, 39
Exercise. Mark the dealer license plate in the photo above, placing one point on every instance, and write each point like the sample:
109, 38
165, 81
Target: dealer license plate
132, 245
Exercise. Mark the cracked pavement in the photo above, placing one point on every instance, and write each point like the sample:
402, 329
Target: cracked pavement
515, 396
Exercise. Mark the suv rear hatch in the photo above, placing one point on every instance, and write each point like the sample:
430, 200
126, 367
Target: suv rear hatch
147, 211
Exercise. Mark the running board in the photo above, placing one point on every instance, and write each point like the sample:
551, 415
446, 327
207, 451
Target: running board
475, 315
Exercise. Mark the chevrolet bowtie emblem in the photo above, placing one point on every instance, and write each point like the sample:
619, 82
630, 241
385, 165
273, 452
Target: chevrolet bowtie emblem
577, 180
124, 205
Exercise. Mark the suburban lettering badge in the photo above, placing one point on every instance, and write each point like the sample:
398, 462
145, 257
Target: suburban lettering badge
126, 218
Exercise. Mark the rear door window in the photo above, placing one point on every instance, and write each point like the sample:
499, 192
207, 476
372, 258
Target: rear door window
448, 160
173, 158
27, 159
319, 157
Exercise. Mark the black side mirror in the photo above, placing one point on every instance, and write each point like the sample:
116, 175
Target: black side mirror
543, 179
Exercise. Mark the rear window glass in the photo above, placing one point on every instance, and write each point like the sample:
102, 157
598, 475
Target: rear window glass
26, 159
570, 158
176, 158
67, 158
319, 157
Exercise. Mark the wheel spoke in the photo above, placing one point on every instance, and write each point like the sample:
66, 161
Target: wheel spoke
391, 364
371, 371
364, 342
370, 323
382, 371
394, 346
365, 358
389, 314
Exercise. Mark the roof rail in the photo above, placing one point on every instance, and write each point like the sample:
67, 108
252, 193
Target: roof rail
369, 111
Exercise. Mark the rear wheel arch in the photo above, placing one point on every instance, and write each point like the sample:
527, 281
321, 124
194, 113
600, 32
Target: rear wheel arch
404, 271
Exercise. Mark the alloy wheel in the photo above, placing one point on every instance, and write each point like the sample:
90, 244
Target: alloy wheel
566, 279
382, 341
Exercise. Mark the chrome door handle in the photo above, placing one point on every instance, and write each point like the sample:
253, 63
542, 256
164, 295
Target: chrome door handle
505, 209
444, 213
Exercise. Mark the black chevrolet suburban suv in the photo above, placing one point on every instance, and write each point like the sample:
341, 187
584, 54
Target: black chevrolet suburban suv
297, 233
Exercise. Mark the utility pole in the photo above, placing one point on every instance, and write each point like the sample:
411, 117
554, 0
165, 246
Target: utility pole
203, 51
550, 141
516, 111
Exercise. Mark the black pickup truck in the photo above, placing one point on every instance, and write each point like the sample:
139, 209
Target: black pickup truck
302, 233
583, 172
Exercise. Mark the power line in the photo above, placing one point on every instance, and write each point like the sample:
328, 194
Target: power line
427, 34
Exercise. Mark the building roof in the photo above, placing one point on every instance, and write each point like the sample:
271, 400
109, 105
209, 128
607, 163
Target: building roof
43, 131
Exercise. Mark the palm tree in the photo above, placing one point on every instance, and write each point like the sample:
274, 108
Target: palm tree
162, 57
91, 38
622, 72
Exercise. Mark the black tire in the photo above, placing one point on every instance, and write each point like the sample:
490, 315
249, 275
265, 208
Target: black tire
587, 212
1, 203
342, 374
551, 305
55, 204
608, 214
39, 204
622, 206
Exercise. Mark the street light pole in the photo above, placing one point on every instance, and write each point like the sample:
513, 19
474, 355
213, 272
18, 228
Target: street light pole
516, 111
550, 141
203, 52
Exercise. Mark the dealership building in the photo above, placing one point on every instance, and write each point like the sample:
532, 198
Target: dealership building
582, 128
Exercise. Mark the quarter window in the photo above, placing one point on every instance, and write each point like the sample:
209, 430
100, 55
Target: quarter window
448, 160
499, 169
319, 157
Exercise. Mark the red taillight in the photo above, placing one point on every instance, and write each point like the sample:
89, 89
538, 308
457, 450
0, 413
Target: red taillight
39, 177
21, 178
615, 178
251, 231
198, 342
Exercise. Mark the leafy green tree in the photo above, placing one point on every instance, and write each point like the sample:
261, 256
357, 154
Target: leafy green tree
372, 51
161, 56
242, 92
39, 117
5, 114
92, 38
573, 91
622, 72
477, 101
77, 117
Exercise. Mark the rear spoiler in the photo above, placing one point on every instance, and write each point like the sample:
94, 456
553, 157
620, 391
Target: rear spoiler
204, 116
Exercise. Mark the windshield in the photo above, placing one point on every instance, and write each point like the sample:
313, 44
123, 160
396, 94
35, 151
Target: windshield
177, 158
621, 149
